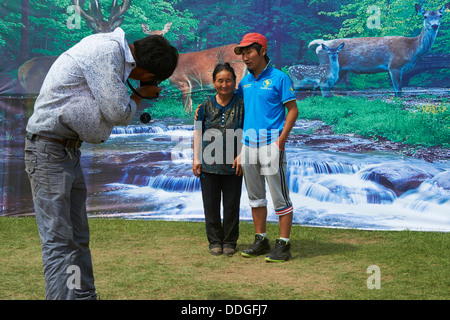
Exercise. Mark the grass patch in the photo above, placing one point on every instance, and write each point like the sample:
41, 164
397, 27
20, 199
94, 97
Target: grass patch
427, 125
137, 259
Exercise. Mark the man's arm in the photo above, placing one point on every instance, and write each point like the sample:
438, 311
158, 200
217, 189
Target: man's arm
289, 123
105, 80
104, 76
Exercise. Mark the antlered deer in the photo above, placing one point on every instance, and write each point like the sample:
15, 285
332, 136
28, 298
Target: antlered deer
394, 54
32, 73
324, 75
95, 18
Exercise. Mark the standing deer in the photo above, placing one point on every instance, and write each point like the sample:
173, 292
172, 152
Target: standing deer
394, 54
194, 69
324, 75
32, 73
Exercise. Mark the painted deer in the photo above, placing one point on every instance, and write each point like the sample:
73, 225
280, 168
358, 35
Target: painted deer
393, 54
32, 73
195, 69
324, 75
146, 29
94, 17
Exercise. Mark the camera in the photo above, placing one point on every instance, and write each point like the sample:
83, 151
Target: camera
150, 83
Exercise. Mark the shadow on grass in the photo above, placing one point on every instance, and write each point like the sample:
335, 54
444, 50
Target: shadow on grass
309, 248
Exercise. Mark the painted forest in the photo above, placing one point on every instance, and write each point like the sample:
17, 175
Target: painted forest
31, 28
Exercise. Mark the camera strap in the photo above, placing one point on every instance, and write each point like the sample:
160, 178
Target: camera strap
145, 117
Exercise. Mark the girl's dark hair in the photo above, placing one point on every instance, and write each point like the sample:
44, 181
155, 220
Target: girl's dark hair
258, 48
221, 67
155, 54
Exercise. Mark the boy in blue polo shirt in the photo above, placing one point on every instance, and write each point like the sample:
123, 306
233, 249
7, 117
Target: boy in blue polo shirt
266, 92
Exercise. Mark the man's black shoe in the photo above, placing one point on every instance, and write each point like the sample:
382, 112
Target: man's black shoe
259, 247
281, 252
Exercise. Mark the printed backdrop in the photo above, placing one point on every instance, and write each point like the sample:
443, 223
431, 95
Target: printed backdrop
144, 171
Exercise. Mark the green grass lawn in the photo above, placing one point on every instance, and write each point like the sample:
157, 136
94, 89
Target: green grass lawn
138, 259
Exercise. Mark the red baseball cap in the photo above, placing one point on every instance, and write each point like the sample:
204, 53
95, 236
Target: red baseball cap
249, 39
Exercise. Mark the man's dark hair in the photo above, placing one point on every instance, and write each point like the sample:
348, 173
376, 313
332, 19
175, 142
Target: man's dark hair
155, 54
224, 66
258, 48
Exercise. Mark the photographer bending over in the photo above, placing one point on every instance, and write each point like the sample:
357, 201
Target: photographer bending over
82, 98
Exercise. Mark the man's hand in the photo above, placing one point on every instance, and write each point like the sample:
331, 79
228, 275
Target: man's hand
149, 91
146, 91
281, 143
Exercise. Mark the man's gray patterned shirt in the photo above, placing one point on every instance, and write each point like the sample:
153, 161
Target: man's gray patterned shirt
84, 94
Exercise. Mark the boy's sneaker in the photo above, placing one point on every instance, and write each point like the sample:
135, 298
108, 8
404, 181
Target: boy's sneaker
260, 246
281, 252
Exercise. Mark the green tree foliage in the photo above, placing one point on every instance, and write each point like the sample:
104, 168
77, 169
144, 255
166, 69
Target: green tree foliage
197, 25
8, 23
289, 25
155, 14
50, 20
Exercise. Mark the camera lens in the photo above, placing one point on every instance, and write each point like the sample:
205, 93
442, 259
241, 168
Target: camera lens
145, 117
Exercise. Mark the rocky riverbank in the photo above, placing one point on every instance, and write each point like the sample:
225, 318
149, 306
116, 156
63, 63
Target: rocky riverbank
324, 137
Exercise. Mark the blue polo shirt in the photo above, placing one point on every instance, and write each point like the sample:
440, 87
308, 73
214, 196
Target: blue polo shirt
264, 99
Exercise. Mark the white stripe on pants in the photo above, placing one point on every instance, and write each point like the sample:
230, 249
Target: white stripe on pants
266, 164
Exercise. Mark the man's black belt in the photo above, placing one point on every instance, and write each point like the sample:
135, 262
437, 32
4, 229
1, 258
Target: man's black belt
68, 143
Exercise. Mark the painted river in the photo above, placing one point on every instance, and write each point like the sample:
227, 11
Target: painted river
145, 172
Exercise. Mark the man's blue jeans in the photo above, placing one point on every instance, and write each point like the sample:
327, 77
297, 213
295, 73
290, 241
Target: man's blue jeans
59, 196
